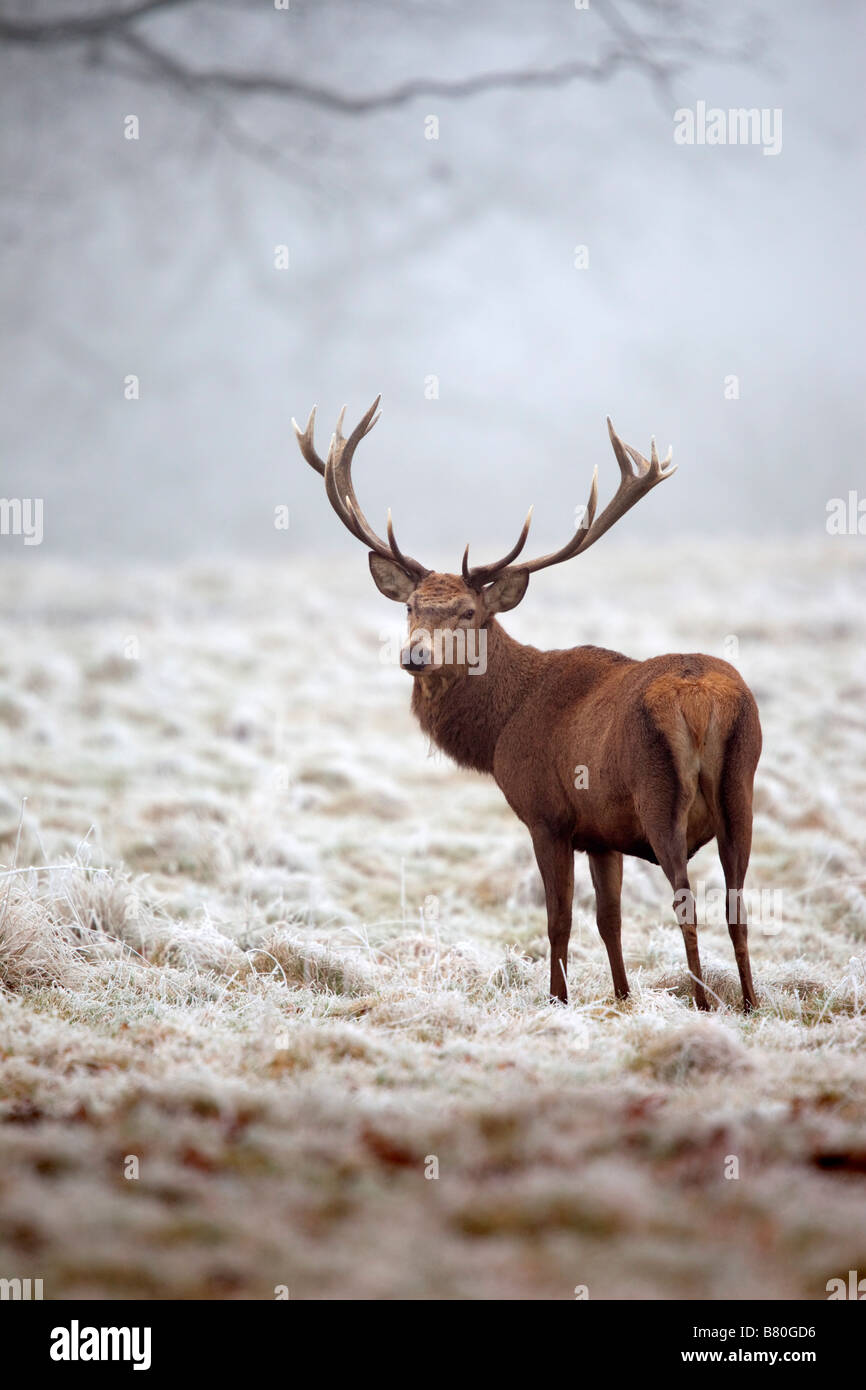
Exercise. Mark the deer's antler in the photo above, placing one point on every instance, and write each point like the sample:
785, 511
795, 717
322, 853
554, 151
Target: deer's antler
632, 487
482, 574
337, 472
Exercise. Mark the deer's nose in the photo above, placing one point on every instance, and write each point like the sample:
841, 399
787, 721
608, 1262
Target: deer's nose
416, 657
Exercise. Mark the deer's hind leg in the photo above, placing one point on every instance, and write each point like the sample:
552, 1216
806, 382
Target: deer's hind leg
606, 871
734, 864
665, 803
671, 852
734, 839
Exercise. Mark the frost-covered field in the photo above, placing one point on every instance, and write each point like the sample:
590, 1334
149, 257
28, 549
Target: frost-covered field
282, 958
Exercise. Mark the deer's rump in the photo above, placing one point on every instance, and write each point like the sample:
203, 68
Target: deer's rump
666, 741
699, 717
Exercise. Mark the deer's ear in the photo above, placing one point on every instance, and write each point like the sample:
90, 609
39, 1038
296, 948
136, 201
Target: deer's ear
390, 579
506, 592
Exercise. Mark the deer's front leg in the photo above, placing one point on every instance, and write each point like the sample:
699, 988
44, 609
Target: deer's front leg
556, 861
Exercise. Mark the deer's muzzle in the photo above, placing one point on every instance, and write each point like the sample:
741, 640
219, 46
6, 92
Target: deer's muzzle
416, 658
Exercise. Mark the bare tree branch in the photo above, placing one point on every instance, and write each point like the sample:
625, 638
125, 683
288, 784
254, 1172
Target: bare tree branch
221, 80
80, 27
117, 27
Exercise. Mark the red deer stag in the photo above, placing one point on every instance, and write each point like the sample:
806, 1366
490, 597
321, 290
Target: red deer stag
669, 745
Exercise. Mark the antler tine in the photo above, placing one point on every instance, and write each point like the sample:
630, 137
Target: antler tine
305, 442
632, 487
338, 475
622, 458
337, 472
482, 574
341, 470
644, 466
578, 540
406, 561
345, 448
340, 502
338, 483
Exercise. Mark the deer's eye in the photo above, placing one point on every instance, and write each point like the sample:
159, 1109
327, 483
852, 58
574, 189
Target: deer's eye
470, 613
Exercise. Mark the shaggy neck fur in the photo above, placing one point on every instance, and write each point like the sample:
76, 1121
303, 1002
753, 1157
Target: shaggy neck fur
465, 714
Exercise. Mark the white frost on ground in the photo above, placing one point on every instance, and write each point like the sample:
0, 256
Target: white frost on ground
276, 952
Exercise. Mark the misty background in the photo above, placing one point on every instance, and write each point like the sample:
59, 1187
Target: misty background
413, 258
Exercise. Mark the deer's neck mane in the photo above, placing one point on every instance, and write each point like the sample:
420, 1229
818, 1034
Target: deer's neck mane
465, 714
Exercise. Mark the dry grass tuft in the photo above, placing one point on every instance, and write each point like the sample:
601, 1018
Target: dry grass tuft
36, 948
691, 1053
300, 961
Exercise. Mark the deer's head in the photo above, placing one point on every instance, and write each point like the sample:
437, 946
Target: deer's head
442, 606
